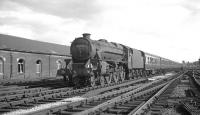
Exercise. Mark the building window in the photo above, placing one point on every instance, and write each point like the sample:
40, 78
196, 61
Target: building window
59, 64
21, 66
1, 66
38, 66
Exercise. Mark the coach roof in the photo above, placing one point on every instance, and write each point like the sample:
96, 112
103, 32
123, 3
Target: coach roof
13, 43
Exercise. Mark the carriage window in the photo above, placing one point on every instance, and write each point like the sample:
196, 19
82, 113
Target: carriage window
151, 60
154, 60
1, 66
38, 66
21, 66
146, 59
130, 52
59, 64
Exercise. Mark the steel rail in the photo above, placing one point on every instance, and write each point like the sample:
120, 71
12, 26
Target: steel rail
122, 98
52, 96
92, 99
145, 106
31, 93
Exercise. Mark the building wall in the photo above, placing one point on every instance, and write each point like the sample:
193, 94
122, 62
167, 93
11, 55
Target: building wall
5, 55
54, 64
49, 65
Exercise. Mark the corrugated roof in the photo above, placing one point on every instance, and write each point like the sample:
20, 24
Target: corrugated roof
8, 42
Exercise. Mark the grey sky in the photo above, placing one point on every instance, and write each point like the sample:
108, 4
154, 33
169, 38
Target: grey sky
166, 28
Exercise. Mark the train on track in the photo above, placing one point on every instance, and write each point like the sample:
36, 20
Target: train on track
97, 62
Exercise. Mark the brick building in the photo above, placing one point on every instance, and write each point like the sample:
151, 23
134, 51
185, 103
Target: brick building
29, 59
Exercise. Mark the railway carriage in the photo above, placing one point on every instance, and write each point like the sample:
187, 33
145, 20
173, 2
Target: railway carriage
96, 62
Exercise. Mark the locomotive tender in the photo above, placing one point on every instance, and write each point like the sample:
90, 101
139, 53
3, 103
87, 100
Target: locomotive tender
96, 62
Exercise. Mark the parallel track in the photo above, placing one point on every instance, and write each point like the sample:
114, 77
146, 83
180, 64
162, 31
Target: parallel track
30, 99
106, 103
166, 102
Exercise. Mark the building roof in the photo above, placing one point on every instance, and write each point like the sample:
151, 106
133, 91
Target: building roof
8, 42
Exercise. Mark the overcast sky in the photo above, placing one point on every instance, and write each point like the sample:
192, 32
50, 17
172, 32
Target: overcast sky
168, 28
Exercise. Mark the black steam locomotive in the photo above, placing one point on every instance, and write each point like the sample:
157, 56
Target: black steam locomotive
102, 62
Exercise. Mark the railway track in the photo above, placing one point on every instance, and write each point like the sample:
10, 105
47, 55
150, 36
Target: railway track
171, 100
6, 90
192, 104
105, 103
29, 98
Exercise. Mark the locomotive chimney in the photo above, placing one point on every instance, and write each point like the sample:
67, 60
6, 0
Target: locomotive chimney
86, 35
